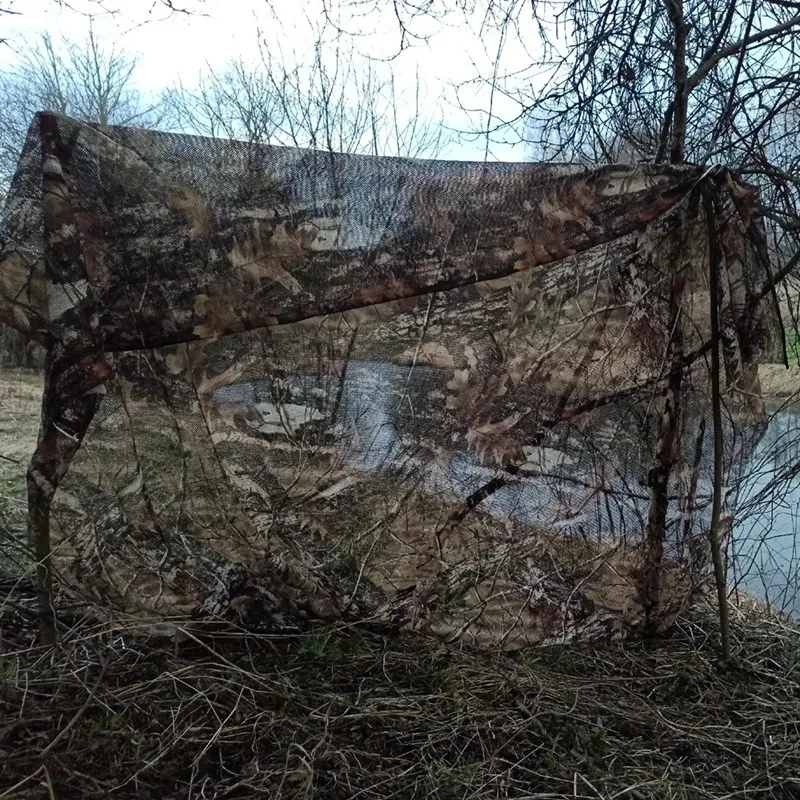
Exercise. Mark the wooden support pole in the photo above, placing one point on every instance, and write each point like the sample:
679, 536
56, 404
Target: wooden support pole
720, 577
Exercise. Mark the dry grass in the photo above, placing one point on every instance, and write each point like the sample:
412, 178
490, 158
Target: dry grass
343, 713
20, 403
778, 381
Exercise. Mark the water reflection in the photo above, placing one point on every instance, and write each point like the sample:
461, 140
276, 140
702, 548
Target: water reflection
764, 554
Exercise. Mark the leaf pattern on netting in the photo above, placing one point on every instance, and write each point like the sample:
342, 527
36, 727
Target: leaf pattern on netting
286, 384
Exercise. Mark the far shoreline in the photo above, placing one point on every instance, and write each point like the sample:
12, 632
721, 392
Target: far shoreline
779, 383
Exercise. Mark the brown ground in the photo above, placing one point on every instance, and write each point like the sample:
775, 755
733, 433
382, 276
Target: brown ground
348, 714
779, 382
20, 398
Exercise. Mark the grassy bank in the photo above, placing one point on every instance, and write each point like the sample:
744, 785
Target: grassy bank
20, 402
346, 714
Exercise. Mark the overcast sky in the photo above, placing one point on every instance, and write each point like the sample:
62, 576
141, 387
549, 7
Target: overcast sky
179, 46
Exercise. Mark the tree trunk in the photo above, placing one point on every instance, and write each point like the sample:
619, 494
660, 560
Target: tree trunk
655, 533
666, 446
680, 104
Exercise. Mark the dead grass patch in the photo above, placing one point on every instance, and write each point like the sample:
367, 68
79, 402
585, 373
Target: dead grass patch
20, 403
345, 713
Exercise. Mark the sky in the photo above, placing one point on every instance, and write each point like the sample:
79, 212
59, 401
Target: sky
178, 47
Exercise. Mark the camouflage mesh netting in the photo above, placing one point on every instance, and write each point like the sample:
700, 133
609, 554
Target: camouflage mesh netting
470, 399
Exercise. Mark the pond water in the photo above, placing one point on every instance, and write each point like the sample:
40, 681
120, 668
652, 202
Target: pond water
764, 557
384, 420
391, 418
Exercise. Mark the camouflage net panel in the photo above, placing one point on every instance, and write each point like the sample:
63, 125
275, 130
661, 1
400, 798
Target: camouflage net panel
420, 393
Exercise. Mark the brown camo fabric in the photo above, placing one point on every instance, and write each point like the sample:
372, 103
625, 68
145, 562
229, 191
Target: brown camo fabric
286, 383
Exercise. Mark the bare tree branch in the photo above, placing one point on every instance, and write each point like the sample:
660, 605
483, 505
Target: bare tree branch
733, 49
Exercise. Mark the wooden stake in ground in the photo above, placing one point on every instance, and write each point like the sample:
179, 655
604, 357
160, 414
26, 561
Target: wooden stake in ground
716, 410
